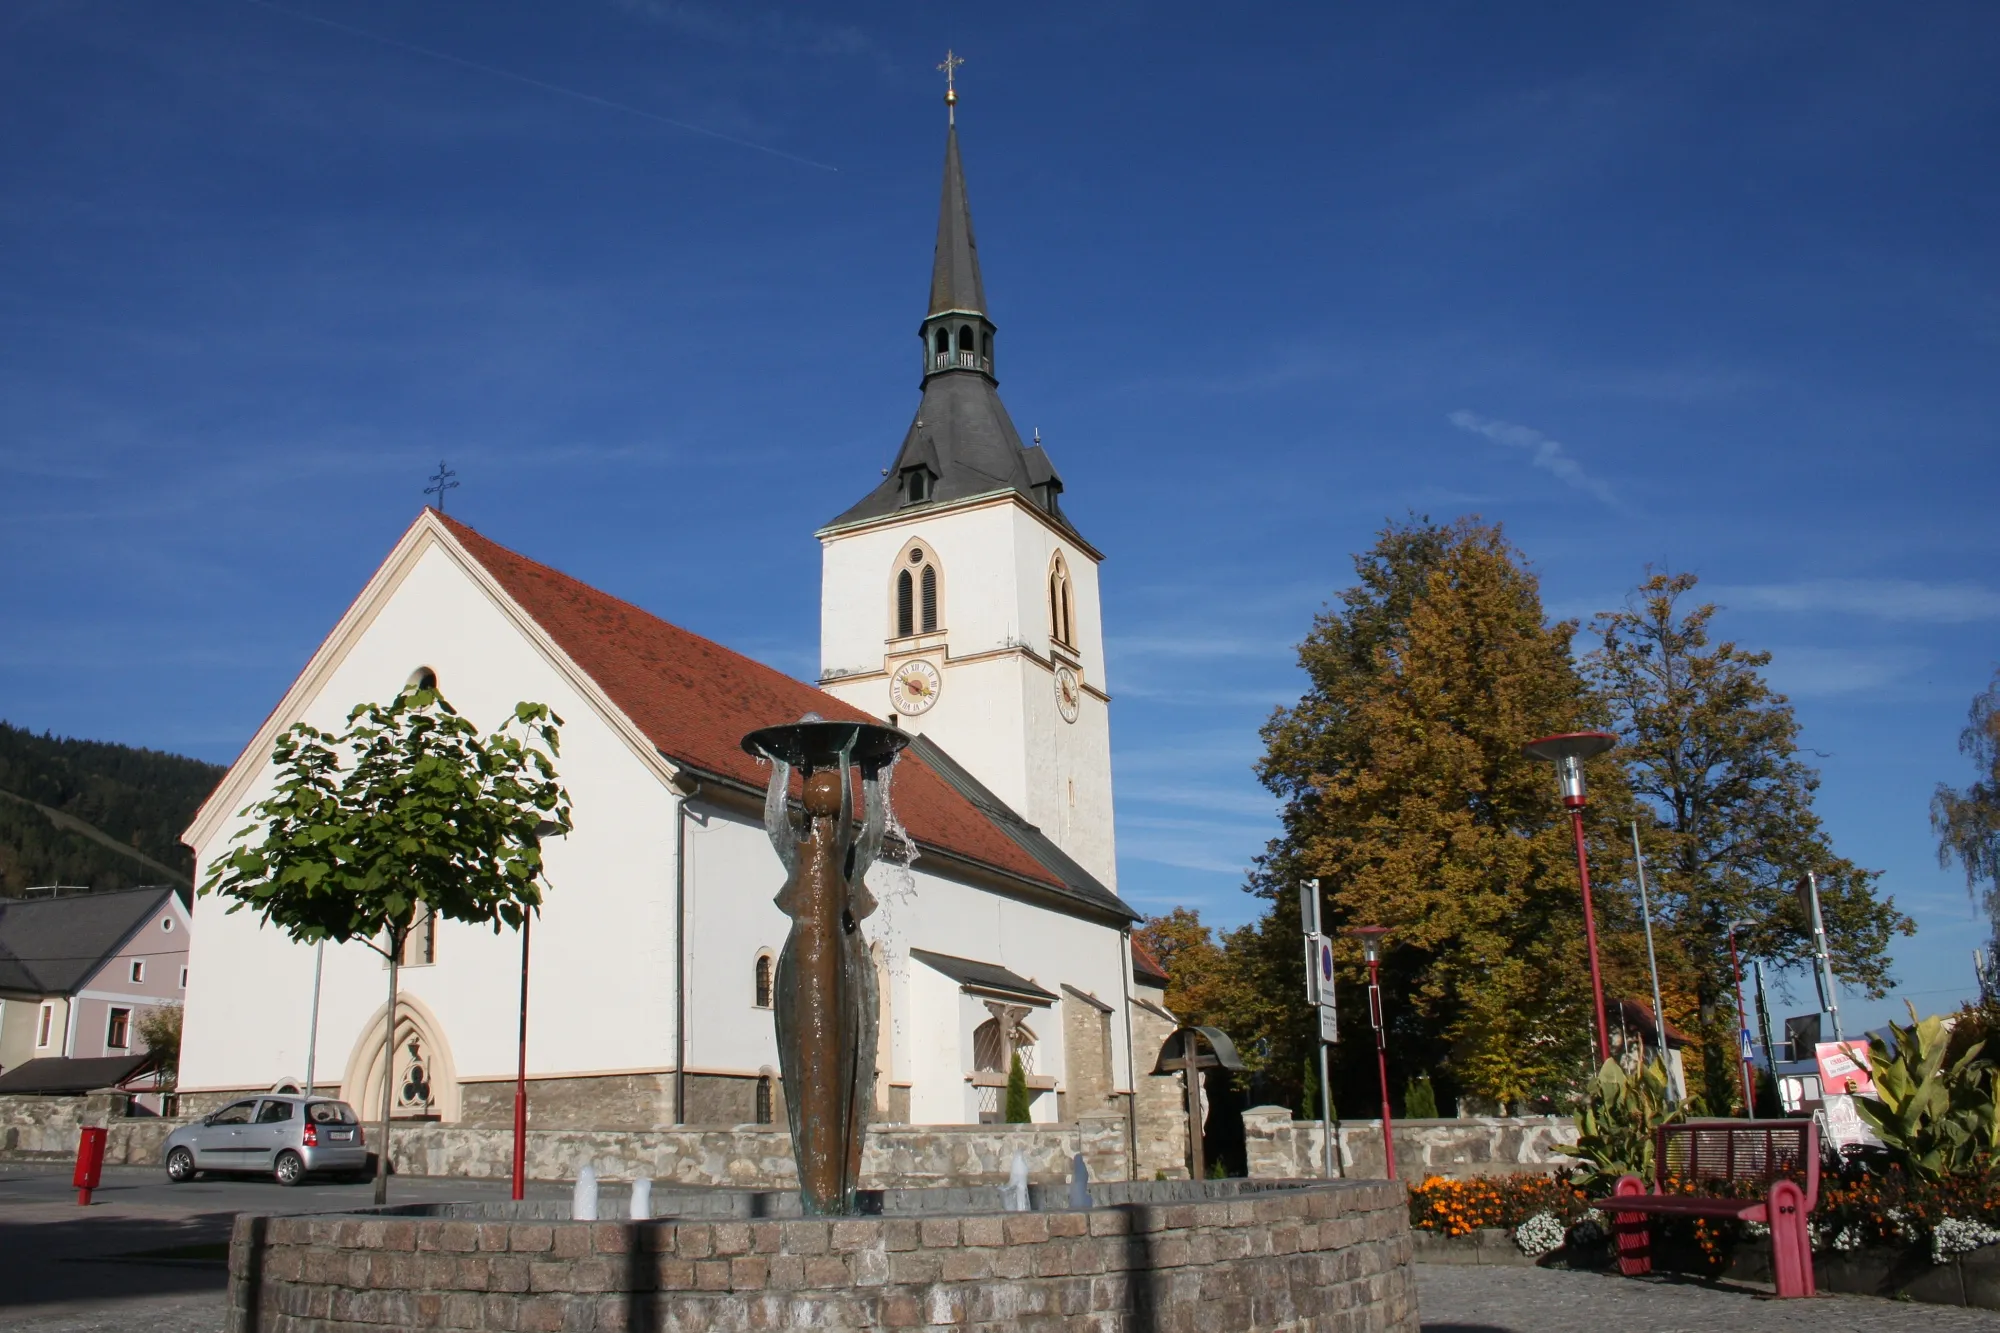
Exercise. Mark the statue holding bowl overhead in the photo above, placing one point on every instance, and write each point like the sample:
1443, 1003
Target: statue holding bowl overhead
824, 1001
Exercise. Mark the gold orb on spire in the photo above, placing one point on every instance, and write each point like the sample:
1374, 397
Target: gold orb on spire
950, 68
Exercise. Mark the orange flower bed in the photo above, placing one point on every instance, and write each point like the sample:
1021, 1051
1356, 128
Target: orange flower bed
1460, 1207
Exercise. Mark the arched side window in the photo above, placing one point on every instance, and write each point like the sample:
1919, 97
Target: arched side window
990, 1053
765, 981
1062, 609
917, 592
765, 1110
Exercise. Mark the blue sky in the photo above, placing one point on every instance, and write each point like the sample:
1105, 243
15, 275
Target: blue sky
1712, 289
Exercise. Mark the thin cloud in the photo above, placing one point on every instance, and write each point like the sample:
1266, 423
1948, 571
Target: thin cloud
1883, 599
1808, 673
1543, 452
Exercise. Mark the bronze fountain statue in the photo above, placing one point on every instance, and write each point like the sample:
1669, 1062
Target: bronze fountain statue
824, 1002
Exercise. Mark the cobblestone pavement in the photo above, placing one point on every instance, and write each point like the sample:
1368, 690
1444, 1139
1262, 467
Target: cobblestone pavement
1455, 1298
200, 1312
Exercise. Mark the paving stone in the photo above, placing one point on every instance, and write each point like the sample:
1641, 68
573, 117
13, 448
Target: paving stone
1474, 1299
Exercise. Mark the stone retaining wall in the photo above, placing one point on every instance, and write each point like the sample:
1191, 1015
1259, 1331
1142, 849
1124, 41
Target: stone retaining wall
1280, 1146
760, 1156
1243, 1256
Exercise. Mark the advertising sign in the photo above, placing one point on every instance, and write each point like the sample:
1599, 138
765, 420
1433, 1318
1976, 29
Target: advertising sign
1843, 1069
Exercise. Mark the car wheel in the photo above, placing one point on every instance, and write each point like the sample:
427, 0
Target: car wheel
290, 1170
180, 1166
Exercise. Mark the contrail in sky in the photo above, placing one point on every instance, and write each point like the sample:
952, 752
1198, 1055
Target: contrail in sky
545, 86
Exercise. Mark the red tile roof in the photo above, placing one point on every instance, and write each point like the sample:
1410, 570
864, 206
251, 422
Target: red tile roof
695, 699
1145, 967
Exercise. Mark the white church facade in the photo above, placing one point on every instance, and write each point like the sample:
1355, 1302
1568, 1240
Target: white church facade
958, 601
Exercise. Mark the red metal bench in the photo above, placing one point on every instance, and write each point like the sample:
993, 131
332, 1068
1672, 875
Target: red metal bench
1779, 1153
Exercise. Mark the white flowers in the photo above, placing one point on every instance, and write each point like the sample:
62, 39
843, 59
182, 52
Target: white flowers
1957, 1235
1544, 1232
1844, 1241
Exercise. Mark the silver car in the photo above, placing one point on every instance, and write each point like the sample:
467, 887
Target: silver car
289, 1136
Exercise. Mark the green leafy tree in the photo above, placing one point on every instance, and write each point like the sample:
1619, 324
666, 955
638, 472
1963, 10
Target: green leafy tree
1967, 823
408, 809
159, 1030
1407, 794
1712, 751
1020, 1106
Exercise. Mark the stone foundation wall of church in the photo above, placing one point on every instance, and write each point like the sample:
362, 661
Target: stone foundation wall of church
1161, 1112
612, 1101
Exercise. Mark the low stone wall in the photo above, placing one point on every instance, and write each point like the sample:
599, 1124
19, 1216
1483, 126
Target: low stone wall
1162, 1257
1280, 1146
760, 1156
45, 1128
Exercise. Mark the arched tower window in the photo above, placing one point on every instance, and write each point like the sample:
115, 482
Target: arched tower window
943, 343
1062, 611
764, 981
918, 592
968, 346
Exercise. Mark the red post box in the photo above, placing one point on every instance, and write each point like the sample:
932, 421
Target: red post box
89, 1161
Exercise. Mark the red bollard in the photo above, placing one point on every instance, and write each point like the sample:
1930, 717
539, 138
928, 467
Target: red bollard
89, 1162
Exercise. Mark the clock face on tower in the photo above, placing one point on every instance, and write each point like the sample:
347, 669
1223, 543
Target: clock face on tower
914, 686
1069, 693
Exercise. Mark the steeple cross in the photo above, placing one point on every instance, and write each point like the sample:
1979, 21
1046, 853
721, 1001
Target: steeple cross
441, 483
950, 68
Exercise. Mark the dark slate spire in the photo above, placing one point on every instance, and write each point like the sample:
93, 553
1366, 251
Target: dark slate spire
962, 443
955, 284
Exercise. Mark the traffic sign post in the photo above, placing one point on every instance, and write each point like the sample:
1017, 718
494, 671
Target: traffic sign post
1319, 994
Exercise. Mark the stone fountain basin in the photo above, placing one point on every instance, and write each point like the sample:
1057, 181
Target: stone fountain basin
1148, 1255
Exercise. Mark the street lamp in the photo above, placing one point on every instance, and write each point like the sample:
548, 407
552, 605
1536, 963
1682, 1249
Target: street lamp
1371, 949
1742, 1019
1567, 752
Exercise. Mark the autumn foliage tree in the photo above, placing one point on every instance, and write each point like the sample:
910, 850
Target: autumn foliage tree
1712, 752
1408, 796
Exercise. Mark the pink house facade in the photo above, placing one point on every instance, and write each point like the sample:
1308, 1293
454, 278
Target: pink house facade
77, 973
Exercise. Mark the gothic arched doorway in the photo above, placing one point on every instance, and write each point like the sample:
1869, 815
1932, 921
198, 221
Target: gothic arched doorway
425, 1085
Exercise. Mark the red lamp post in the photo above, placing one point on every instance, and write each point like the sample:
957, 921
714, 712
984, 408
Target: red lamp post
1742, 1021
1567, 752
1371, 949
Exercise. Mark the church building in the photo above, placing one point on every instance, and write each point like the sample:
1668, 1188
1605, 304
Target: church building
959, 602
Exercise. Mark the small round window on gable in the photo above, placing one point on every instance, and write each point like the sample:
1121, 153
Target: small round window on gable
166, 923
423, 678
916, 555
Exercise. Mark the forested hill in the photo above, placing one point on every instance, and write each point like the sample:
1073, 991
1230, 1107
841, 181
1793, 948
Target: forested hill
92, 813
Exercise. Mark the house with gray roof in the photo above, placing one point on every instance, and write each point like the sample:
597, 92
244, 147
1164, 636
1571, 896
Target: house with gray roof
77, 970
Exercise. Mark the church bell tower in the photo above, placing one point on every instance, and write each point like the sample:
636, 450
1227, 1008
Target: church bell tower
956, 597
